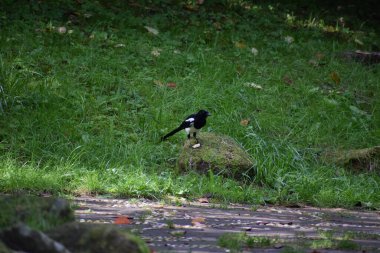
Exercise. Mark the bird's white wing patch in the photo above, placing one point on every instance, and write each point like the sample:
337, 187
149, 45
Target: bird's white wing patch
191, 120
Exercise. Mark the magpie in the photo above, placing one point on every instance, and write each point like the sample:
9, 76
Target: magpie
192, 124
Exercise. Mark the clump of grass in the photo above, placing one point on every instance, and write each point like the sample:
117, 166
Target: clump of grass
347, 245
236, 241
89, 106
232, 241
290, 249
322, 244
170, 224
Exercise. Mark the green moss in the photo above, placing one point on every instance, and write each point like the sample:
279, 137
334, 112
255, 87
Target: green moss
347, 245
4, 249
37, 212
219, 153
97, 238
366, 159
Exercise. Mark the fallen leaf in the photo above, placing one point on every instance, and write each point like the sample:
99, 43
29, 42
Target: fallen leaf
335, 77
156, 52
198, 145
244, 122
198, 221
319, 56
62, 29
254, 85
178, 233
171, 85
287, 80
359, 42
314, 63
240, 45
119, 45
203, 200
217, 25
123, 220
289, 39
151, 30
254, 51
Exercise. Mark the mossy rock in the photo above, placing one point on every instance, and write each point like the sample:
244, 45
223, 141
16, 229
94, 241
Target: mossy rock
4, 248
38, 212
358, 160
97, 238
218, 153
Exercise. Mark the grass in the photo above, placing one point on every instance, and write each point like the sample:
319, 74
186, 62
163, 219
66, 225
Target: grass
237, 241
82, 111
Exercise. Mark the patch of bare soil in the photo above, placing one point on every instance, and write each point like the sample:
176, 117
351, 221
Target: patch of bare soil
196, 227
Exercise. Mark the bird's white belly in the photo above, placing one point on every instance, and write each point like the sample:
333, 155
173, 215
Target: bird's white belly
191, 130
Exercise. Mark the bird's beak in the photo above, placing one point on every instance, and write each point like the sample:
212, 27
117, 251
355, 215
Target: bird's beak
208, 114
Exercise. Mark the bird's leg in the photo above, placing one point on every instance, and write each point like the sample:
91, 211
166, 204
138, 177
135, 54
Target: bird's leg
188, 136
195, 137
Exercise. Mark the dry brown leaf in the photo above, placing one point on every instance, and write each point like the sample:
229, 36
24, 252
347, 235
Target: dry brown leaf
240, 45
203, 200
198, 221
171, 85
319, 56
287, 80
335, 77
123, 220
244, 122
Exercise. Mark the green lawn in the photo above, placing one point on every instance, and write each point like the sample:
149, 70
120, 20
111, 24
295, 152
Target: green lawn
83, 107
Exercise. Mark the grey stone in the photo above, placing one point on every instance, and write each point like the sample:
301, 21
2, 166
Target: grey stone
22, 237
97, 238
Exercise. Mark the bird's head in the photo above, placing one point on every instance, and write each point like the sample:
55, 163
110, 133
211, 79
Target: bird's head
204, 113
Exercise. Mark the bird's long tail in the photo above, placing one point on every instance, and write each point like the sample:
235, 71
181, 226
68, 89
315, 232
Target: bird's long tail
172, 133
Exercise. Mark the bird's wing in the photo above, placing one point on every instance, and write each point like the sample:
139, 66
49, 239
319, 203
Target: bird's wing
187, 123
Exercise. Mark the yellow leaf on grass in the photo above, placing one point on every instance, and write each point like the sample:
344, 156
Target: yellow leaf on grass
335, 77
240, 45
244, 122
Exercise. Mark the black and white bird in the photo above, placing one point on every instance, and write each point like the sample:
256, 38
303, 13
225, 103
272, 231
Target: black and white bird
192, 124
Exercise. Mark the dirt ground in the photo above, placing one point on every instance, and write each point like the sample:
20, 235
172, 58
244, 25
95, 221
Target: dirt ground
196, 227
